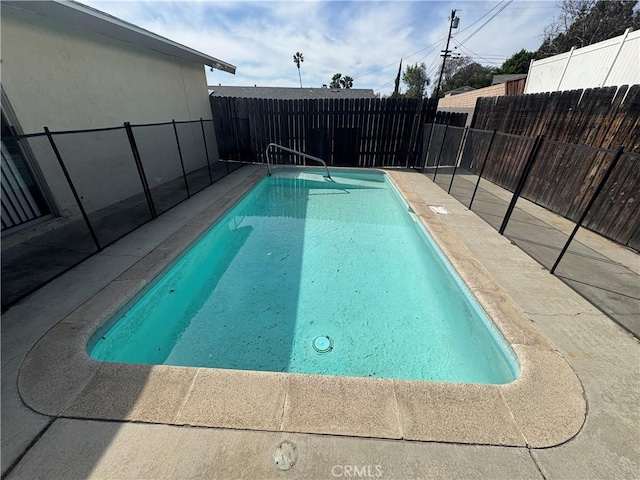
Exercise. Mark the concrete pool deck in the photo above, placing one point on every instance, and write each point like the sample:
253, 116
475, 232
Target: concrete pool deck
602, 356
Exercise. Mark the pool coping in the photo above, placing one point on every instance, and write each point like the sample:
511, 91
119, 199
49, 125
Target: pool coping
543, 407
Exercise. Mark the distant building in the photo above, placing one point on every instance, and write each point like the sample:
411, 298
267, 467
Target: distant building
459, 90
289, 93
498, 79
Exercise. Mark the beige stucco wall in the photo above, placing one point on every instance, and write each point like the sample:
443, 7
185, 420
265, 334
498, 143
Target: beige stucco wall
64, 77
468, 99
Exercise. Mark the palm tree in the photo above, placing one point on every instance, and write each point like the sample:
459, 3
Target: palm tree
298, 59
346, 81
335, 81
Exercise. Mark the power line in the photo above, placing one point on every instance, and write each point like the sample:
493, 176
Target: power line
491, 59
426, 69
485, 23
404, 57
429, 53
487, 13
428, 46
433, 66
475, 55
453, 23
385, 85
489, 55
433, 45
376, 70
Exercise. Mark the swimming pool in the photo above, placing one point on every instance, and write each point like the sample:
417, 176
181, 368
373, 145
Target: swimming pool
544, 406
304, 275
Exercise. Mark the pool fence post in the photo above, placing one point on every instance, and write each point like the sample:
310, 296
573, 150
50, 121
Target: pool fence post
458, 157
206, 151
599, 188
444, 136
419, 146
484, 163
184, 174
231, 131
523, 178
426, 155
138, 162
72, 187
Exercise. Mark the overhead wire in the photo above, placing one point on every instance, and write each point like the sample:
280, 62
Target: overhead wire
487, 13
396, 62
496, 61
374, 71
427, 70
383, 86
433, 66
509, 2
433, 69
431, 45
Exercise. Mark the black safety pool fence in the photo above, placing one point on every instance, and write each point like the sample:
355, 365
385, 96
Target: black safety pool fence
111, 181
597, 188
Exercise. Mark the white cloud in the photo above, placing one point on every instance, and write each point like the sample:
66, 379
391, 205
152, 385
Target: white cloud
352, 38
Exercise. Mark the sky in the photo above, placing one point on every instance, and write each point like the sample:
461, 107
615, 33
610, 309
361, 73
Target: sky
362, 39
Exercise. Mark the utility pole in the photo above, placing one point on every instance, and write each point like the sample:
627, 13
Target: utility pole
446, 52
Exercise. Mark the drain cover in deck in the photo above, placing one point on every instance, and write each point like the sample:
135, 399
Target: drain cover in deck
285, 455
439, 209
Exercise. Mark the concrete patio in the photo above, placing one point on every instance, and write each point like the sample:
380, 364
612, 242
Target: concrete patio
603, 355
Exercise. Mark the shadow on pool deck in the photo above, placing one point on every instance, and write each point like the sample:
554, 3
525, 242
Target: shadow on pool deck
610, 286
28, 265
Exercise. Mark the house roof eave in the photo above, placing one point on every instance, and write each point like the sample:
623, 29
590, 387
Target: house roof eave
89, 18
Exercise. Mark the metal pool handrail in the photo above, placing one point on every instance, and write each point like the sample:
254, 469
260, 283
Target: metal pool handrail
310, 157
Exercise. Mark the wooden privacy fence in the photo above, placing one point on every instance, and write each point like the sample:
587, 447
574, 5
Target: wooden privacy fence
562, 178
600, 117
361, 132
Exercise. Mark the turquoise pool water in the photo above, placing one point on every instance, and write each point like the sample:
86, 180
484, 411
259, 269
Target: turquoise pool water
311, 276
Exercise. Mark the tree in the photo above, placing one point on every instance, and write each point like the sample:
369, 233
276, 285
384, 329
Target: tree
298, 59
396, 89
584, 22
416, 79
463, 71
338, 81
472, 75
346, 82
452, 66
518, 62
335, 81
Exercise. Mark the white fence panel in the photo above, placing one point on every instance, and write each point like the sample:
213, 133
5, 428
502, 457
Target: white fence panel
613, 62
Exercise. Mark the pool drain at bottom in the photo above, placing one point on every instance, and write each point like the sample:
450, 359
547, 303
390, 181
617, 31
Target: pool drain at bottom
323, 344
